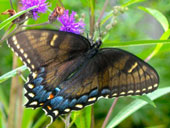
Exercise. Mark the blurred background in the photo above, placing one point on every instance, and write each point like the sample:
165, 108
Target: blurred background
133, 24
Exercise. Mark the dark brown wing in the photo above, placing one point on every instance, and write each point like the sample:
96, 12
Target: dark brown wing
110, 73
51, 56
38, 48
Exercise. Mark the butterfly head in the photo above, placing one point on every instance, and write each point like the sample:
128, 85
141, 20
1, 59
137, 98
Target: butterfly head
97, 44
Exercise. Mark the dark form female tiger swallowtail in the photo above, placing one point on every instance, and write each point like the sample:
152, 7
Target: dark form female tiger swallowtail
68, 73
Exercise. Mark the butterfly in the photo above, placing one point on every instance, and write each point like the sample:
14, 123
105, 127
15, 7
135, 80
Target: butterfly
68, 72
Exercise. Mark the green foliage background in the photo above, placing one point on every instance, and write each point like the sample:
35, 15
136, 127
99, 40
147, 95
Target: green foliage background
137, 23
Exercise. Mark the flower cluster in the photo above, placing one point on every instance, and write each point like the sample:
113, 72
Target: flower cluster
69, 24
42, 6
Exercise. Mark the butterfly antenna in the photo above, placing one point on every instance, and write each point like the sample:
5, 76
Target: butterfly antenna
89, 38
100, 35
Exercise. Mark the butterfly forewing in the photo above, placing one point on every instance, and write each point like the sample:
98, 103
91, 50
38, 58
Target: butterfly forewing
37, 48
68, 73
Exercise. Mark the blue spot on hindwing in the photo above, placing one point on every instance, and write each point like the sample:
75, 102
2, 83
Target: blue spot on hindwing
40, 95
82, 99
73, 103
42, 69
47, 95
38, 81
64, 105
37, 89
93, 93
55, 102
57, 90
105, 91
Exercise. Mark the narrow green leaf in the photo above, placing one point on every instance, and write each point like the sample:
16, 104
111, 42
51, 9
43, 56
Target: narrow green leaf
145, 98
158, 16
136, 105
158, 46
4, 101
108, 15
28, 117
40, 121
10, 19
132, 2
83, 118
135, 43
12, 73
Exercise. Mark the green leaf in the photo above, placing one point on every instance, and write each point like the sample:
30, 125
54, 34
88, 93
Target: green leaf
10, 19
83, 118
158, 16
136, 105
163, 21
12, 73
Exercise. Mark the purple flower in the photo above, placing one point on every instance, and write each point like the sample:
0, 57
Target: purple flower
42, 6
69, 24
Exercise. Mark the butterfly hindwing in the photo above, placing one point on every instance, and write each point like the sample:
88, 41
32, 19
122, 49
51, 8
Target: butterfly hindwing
42, 83
110, 73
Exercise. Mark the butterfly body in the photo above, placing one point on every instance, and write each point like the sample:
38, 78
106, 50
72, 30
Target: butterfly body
68, 73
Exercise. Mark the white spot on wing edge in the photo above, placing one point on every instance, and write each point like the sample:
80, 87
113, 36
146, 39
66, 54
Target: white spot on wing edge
18, 46
14, 38
31, 86
130, 91
67, 110
56, 112
144, 89
31, 94
150, 87
122, 93
33, 103
22, 50
29, 61
79, 106
114, 94
91, 99
25, 55
155, 85
137, 91
34, 75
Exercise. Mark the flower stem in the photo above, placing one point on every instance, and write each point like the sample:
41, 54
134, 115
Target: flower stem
102, 12
109, 113
13, 97
92, 16
20, 105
